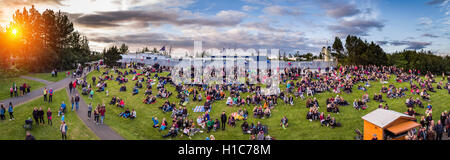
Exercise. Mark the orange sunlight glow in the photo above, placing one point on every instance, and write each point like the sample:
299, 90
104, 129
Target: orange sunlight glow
14, 32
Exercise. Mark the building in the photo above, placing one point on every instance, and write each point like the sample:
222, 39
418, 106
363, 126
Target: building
387, 123
326, 52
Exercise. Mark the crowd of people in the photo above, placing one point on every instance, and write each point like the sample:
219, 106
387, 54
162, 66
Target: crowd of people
300, 83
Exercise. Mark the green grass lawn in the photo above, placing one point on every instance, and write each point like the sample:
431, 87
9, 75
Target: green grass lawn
48, 76
299, 127
13, 130
5, 85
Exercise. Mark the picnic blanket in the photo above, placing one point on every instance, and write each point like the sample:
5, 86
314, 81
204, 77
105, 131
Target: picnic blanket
200, 109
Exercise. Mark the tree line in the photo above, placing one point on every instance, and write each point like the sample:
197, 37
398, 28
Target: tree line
359, 52
41, 42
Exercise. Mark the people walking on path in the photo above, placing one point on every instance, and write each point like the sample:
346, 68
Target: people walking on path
77, 102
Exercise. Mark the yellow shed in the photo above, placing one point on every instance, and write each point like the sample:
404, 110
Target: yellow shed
387, 123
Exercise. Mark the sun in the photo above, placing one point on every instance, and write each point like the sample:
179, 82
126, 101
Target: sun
14, 32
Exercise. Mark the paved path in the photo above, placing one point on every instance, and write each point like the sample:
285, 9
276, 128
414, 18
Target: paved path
102, 131
37, 79
37, 93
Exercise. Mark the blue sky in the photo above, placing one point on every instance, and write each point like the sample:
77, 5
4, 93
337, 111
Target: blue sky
289, 25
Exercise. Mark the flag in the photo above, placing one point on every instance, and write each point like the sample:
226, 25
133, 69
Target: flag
163, 48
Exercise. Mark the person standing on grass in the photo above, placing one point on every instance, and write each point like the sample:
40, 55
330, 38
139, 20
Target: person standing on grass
45, 94
70, 87
439, 129
41, 115
89, 111
77, 102
2, 112
36, 115
223, 119
50, 95
72, 101
49, 116
63, 128
11, 111
15, 90
11, 91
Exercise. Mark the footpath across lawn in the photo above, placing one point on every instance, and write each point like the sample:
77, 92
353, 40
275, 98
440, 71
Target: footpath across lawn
299, 127
6, 84
48, 76
13, 130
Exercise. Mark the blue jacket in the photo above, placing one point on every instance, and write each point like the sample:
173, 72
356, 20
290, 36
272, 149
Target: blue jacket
10, 109
2, 111
155, 122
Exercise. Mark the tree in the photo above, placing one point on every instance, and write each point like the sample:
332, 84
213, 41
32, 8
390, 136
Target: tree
111, 56
45, 41
123, 49
339, 48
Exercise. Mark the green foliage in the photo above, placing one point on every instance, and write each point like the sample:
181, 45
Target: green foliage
111, 56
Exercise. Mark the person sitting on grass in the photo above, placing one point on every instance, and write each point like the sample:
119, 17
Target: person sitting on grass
333, 123
135, 91
229, 101
148, 92
155, 122
267, 112
216, 125
245, 128
425, 95
133, 114
172, 133
123, 88
200, 122
284, 122
113, 100
125, 114
120, 103
163, 124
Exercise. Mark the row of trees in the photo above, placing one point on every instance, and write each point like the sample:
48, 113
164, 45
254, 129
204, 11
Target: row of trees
359, 52
41, 42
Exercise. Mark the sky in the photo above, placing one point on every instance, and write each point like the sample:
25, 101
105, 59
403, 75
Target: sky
288, 25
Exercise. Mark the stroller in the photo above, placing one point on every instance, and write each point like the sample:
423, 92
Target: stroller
28, 124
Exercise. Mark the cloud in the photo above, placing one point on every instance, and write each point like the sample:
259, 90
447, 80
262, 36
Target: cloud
433, 2
356, 27
23, 3
425, 21
339, 9
414, 45
259, 2
430, 35
117, 18
249, 8
343, 11
382, 42
281, 11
